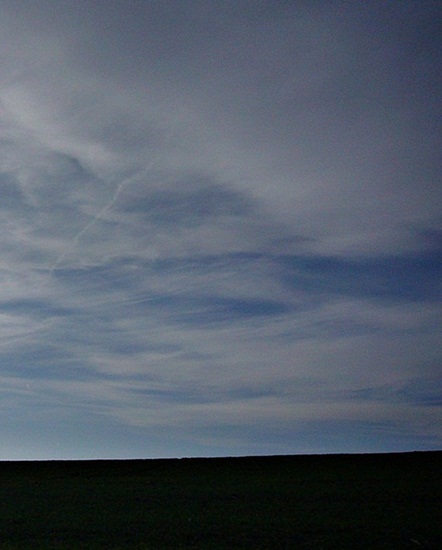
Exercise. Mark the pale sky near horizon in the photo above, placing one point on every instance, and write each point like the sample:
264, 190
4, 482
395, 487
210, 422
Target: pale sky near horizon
221, 228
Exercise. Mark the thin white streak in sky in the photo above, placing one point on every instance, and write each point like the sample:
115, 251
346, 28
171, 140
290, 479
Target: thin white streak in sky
119, 189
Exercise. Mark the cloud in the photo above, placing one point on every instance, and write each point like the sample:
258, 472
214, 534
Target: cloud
220, 227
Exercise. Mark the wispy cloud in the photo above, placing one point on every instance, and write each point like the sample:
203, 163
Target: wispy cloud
220, 228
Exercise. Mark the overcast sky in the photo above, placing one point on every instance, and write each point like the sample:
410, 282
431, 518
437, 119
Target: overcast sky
221, 227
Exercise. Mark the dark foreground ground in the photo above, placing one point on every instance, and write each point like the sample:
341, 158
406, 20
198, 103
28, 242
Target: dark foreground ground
283, 502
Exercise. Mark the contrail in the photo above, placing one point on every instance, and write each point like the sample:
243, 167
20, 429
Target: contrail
97, 217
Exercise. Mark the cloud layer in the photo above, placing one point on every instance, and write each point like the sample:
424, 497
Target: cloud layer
220, 228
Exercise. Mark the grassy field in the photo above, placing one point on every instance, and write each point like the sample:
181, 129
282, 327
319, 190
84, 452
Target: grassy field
284, 502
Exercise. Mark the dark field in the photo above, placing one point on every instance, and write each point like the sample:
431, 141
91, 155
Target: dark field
330, 501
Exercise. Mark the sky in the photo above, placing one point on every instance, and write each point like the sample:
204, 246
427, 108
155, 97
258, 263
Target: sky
220, 228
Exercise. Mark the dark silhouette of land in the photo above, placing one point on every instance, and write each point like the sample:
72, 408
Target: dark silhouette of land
322, 501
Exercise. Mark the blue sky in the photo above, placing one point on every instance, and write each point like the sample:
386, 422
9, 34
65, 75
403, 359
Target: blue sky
220, 228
